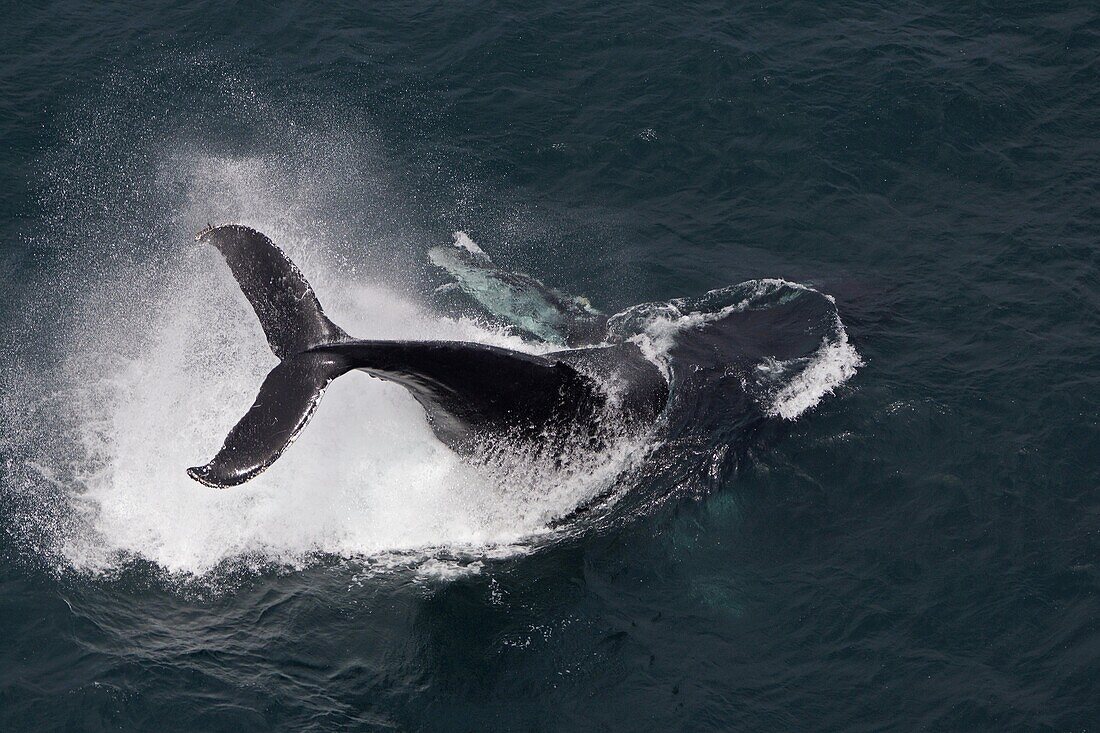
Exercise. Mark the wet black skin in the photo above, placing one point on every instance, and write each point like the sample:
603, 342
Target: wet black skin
470, 392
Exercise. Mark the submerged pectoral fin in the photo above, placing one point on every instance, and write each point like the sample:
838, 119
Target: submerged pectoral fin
286, 401
518, 298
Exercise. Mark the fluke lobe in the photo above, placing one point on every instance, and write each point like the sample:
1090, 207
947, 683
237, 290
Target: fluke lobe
470, 392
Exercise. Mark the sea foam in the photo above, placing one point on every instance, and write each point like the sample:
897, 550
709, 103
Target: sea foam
156, 361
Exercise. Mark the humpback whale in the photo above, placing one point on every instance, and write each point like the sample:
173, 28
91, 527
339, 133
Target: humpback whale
471, 393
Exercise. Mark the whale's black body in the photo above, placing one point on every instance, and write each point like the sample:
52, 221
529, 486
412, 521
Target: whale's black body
469, 391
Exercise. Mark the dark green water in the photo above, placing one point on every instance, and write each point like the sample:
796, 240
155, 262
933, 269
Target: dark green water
920, 550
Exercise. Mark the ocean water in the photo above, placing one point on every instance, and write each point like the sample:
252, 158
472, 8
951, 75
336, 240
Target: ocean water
904, 536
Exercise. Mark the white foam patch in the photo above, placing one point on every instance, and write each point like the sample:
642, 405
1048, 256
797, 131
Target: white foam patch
161, 361
366, 477
831, 366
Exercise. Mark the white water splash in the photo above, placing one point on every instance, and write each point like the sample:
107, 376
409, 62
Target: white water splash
834, 364
159, 362
463, 240
153, 358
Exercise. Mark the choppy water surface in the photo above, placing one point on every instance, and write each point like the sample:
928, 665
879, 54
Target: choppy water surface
891, 527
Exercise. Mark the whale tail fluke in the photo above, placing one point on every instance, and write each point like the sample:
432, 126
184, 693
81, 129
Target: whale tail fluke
289, 312
294, 323
287, 399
